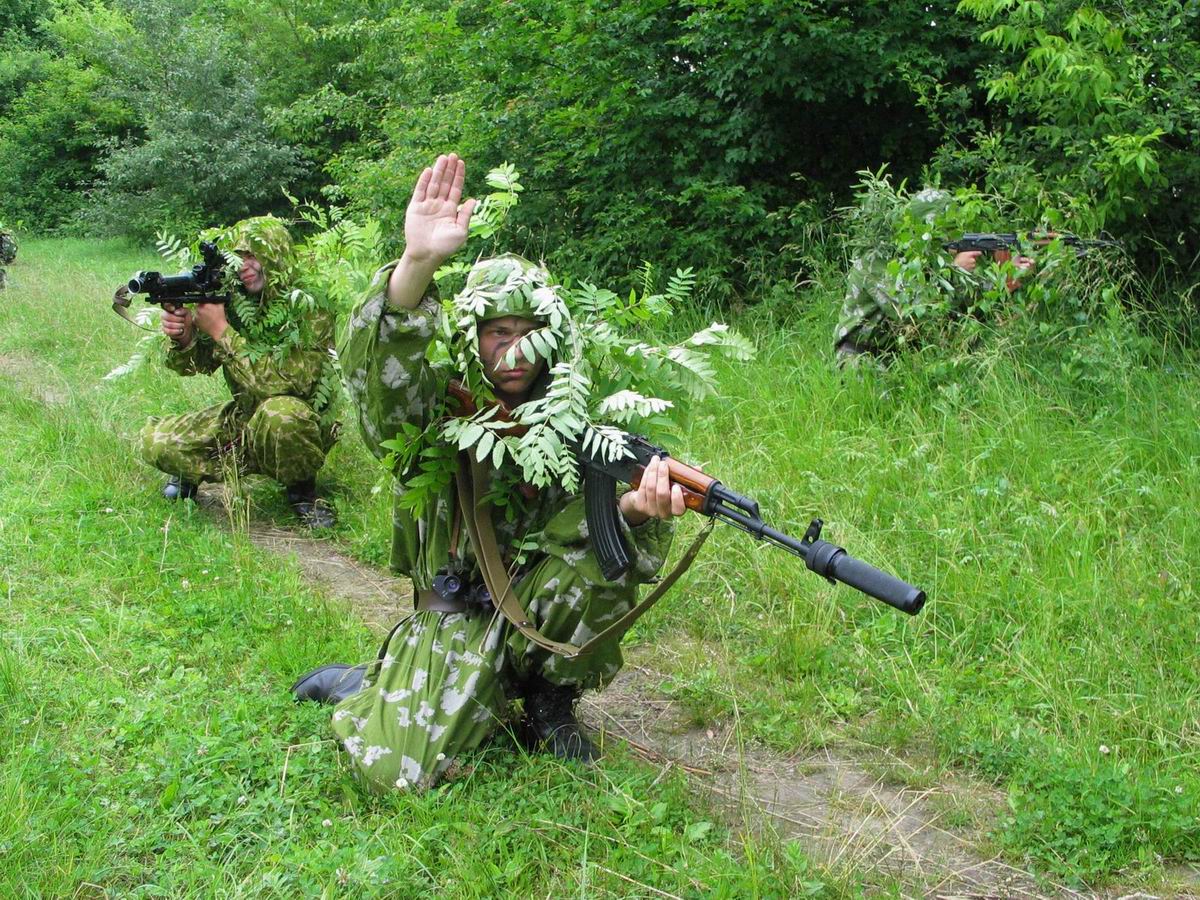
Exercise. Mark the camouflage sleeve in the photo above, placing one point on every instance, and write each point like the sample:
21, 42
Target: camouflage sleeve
265, 376
194, 359
968, 289
382, 352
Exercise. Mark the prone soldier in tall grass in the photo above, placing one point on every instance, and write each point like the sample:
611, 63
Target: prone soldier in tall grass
273, 425
884, 300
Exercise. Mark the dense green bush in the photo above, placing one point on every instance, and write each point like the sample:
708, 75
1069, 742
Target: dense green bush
703, 134
1095, 116
203, 152
52, 132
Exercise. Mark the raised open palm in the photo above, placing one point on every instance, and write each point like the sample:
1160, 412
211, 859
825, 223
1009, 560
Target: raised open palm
435, 225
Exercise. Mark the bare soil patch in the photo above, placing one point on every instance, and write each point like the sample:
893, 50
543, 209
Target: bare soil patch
381, 599
38, 379
843, 814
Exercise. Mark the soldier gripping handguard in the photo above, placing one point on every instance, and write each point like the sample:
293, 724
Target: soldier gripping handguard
707, 496
990, 242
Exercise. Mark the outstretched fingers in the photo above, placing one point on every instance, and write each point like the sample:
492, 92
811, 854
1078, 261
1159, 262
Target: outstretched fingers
421, 190
437, 182
457, 170
464, 213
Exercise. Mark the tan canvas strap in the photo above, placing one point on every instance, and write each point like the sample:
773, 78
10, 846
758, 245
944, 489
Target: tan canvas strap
626, 621
122, 300
471, 482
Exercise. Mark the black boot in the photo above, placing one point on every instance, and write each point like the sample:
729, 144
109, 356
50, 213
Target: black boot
309, 508
330, 684
177, 488
551, 723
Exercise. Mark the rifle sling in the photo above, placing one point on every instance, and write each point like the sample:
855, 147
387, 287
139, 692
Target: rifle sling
471, 483
121, 308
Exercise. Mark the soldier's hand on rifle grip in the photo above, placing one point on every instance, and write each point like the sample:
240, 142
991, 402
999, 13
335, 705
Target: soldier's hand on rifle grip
177, 323
655, 497
967, 259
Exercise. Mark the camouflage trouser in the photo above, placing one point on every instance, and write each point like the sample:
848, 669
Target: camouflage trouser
444, 680
283, 438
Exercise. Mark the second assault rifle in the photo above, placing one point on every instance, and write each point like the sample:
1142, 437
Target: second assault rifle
706, 495
199, 284
991, 242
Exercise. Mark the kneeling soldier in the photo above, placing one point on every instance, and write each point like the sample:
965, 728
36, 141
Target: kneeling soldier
270, 427
444, 678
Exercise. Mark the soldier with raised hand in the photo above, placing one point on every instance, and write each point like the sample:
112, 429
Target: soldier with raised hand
443, 681
270, 426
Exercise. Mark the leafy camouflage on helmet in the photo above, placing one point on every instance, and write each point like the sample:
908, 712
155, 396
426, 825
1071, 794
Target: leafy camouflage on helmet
929, 205
499, 286
507, 285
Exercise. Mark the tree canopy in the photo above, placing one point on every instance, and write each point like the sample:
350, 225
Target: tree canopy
699, 133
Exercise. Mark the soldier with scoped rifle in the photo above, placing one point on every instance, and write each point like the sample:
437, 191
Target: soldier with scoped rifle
522, 592
272, 425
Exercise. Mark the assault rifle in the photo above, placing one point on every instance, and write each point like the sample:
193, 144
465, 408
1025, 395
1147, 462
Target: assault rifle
199, 284
706, 495
991, 242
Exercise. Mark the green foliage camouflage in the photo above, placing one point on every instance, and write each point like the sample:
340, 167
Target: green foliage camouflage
1079, 312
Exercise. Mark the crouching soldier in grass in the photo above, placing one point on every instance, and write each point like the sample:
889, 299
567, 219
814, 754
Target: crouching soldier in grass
882, 304
273, 365
444, 679
8, 253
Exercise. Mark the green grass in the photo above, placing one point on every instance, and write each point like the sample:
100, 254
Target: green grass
1051, 518
148, 745
1047, 506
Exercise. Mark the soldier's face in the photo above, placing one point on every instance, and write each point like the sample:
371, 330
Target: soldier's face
495, 338
251, 274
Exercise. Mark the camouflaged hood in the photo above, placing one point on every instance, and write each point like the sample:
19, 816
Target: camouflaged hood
509, 285
927, 205
268, 239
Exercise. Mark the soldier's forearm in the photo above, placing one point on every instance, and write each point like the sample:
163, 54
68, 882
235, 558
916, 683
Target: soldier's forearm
408, 281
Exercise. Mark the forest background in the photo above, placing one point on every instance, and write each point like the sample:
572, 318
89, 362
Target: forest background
1036, 467
706, 134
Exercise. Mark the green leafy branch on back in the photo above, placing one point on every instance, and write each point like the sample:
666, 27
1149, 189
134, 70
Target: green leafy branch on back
600, 373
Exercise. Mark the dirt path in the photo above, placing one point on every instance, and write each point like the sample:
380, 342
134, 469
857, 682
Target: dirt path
841, 812
830, 801
37, 378
380, 598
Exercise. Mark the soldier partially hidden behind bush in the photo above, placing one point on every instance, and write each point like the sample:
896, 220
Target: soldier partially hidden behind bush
270, 427
876, 310
8, 253
442, 683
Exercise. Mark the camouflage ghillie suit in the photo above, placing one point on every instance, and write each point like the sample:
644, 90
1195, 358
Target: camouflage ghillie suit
270, 427
8, 253
873, 310
443, 680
